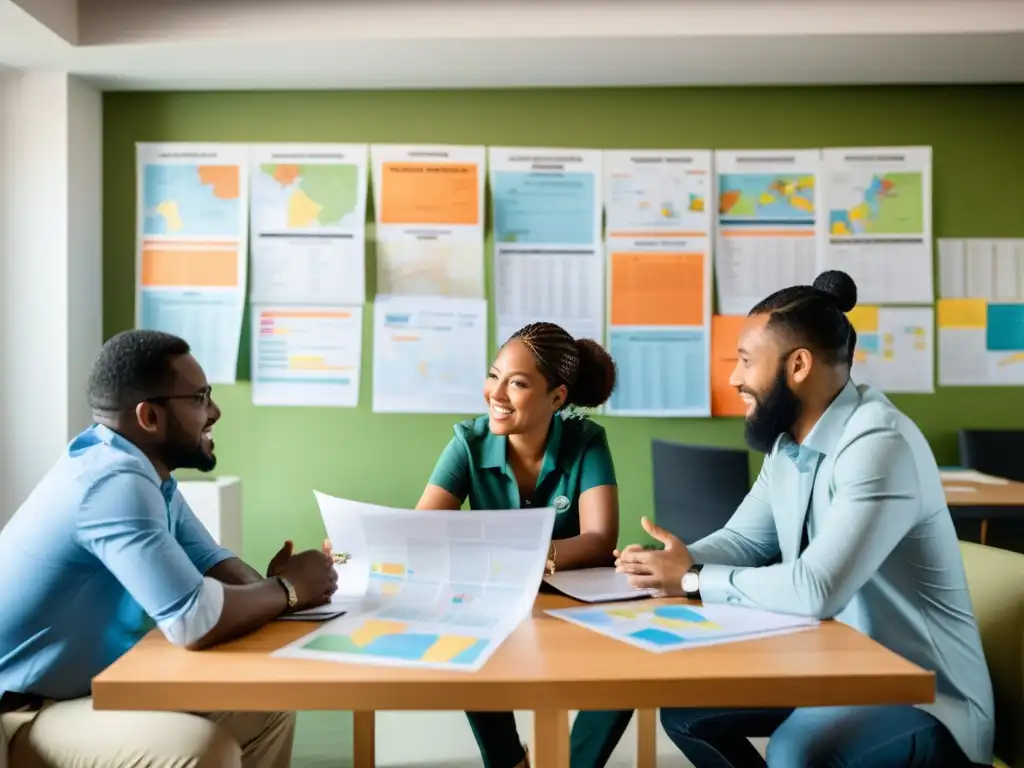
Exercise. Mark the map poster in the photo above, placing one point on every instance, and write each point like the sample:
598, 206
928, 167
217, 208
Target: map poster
879, 203
429, 207
191, 247
658, 193
308, 223
429, 354
769, 223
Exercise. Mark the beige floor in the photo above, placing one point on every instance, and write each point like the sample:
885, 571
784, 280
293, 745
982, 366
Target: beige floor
430, 740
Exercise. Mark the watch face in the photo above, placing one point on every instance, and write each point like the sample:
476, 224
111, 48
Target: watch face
690, 582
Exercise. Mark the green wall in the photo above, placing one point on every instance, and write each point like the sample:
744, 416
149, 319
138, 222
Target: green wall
282, 454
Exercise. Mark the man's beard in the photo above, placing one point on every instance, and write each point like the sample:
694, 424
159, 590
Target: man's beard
775, 412
182, 452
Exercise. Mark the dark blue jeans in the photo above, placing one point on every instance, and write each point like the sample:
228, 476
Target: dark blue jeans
820, 737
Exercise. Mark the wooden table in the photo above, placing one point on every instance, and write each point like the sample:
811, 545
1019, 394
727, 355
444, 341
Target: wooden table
546, 665
987, 501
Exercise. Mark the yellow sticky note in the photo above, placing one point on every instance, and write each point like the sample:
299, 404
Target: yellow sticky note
864, 319
962, 313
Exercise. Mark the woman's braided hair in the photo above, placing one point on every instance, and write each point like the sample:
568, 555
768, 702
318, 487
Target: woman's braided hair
582, 365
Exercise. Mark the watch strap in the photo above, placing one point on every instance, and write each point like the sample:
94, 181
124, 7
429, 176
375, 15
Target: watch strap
694, 569
289, 590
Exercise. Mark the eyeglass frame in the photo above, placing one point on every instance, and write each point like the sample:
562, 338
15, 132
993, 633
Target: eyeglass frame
204, 397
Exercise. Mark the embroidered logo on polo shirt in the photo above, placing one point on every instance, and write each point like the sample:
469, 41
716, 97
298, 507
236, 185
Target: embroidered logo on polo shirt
561, 503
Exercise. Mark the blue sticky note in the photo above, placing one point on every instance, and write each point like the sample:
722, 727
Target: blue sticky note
1005, 332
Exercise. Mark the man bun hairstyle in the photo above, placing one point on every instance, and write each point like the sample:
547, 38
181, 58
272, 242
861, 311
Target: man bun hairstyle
583, 366
814, 315
839, 286
132, 367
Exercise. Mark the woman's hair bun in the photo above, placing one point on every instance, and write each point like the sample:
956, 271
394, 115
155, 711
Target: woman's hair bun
839, 286
595, 376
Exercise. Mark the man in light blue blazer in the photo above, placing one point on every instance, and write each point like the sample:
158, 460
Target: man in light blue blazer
849, 494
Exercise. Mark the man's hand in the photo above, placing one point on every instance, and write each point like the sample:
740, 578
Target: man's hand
660, 570
285, 553
313, 576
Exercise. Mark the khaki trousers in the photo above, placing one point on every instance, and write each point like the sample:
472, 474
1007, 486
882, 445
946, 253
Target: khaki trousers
71, 734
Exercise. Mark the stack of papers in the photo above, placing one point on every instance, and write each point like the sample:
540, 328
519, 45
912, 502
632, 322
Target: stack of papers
427, 589
660, 627
595, 585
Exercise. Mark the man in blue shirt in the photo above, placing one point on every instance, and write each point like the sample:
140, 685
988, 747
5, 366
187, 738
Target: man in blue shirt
104, 547
850, 496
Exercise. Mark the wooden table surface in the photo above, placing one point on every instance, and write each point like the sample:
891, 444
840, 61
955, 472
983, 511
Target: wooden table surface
546, 665
546, 662
960, 493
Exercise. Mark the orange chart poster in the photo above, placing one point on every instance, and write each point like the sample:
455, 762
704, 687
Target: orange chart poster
429, 204
191, 247
659, 297
725, 334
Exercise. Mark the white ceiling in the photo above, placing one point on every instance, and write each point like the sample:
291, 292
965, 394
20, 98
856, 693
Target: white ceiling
260, 44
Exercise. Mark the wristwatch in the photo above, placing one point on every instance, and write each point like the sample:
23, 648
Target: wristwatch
293, 598
691, 582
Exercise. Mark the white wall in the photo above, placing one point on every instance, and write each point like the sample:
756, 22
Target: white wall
85, 244
50, 300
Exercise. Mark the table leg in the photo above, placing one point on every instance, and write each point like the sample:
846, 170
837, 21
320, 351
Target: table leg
364, 740
646, 738
550, 739
984, 532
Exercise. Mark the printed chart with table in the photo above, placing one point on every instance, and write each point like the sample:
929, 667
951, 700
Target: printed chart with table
661, 627
438, 590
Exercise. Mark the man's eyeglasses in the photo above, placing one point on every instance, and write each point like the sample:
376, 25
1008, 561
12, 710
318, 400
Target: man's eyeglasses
201, 398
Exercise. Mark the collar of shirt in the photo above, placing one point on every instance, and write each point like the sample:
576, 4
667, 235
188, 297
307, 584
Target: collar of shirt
495, 451
825, 434
106, 435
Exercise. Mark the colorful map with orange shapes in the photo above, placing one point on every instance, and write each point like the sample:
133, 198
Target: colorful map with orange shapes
766, 197
192, 200
393, 640
880, 204
313, 194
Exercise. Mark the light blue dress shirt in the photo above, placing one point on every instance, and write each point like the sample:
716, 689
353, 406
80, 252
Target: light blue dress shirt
883, 555
99, 551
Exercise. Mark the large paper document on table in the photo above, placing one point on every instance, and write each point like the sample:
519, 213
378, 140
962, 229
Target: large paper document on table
427, 589
659, 627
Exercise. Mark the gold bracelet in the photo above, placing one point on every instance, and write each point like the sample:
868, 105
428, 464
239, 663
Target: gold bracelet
551, 559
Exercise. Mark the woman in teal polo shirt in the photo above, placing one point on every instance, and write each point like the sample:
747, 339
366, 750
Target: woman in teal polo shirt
528, 451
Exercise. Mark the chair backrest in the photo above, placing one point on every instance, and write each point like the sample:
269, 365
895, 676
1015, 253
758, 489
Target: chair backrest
697, 487
997, 452
995, 578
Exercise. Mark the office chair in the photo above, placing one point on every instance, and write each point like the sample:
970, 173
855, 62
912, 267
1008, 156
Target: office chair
998, 452
697, 487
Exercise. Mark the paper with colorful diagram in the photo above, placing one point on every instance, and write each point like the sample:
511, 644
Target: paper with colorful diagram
427, 589
660, 626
